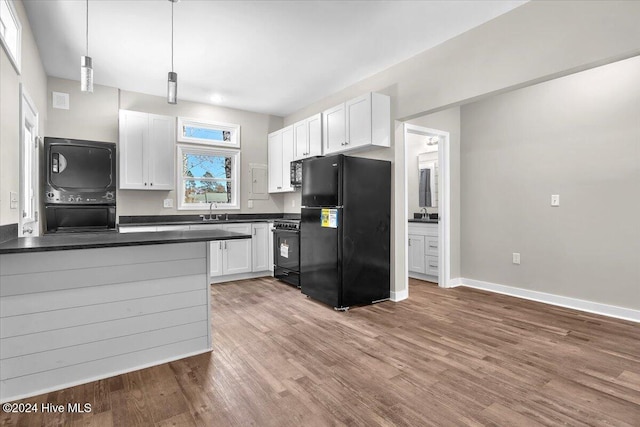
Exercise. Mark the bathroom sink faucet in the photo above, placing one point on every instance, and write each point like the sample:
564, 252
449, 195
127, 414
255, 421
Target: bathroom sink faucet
424, 213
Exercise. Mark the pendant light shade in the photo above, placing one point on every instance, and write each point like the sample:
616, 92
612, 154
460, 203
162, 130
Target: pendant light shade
172, 80
86, 74
172, 88
86, 63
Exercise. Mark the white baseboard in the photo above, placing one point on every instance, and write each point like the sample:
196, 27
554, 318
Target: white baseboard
240, 276
568, 302
454, 283
399, 296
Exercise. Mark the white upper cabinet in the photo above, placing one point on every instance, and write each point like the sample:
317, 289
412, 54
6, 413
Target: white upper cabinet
307, 137
362, 122
280, 151
334, 133
146, 151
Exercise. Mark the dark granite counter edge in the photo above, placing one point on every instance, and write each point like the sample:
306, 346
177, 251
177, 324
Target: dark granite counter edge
423, 221
199, 222
111, 240
196, 219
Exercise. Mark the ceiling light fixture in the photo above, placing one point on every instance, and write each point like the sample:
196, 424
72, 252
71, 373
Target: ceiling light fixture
172, 81
433, 140
86, 64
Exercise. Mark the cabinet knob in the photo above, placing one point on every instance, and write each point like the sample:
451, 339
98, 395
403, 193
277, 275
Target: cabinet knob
145, 183
151, 184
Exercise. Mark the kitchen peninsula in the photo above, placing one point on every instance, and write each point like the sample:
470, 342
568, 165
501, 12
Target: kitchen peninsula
79, 307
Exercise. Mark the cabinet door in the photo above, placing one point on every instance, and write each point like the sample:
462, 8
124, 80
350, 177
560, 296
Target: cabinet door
359, 121
260, 246
275, 162
334, 135
314, 135
300, 141
287, 157
215, 258
236, 256
134, 133
160, 152
416, 254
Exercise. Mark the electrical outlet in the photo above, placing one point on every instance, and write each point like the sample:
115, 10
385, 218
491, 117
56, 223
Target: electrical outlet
250, 204
293, 203
516, 258
555, 200
168, 203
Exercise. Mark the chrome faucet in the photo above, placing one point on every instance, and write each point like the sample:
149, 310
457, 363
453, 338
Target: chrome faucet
210, 212
424, 213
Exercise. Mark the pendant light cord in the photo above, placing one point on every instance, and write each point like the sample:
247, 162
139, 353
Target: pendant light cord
87, 28
172, 3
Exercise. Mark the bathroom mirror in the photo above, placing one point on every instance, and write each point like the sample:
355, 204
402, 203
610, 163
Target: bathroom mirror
428, 179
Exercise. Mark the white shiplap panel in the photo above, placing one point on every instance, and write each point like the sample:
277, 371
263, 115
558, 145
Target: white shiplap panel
48, 321
99, 257
57, 379
70, 356
67, 337
20, 284
96, 295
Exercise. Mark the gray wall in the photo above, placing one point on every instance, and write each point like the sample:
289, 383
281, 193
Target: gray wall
535, 42
33, 78
579, 137
95, 116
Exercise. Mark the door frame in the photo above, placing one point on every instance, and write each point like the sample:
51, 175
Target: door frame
28, 106
444, 202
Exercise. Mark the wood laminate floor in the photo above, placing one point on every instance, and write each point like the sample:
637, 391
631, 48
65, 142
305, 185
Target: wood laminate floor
445, 357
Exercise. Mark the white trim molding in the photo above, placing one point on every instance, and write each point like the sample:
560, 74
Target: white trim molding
400, 295
561, 301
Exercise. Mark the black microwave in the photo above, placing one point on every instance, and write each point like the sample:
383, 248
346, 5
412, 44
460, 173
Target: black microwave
296, 173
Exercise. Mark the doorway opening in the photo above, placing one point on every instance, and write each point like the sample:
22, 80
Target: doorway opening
29, 166
432, 179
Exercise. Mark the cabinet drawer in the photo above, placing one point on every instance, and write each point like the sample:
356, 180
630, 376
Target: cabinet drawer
431, 265
431, 245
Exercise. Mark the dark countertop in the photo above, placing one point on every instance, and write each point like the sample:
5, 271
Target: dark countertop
423, 221
151, 220
193, 222
63, 242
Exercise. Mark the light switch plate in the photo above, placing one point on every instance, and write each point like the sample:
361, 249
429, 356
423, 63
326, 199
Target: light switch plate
555, 200
516, 258
168, 203
250, 204
13, 200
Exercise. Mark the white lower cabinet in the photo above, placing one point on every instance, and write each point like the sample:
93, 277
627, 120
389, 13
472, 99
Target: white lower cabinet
416, 254
231, 256
423, 251
260, 247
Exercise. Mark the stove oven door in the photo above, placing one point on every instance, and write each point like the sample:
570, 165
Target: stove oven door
286, 256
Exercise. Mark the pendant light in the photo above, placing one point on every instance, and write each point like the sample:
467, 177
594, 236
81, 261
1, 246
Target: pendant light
172, 81
86, 64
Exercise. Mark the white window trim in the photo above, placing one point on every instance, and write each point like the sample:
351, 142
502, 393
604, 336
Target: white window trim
233, 128
16, 60
235, 171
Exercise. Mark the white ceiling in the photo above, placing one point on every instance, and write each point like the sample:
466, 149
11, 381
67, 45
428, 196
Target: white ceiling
265, 56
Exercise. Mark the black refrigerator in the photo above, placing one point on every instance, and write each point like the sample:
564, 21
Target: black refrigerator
345, 230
